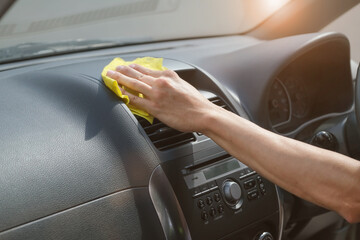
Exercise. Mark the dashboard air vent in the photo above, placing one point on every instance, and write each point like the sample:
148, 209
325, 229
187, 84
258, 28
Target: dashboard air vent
164, 137
218, 101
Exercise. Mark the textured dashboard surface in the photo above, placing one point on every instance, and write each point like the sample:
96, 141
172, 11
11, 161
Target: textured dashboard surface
124, 215
66, 141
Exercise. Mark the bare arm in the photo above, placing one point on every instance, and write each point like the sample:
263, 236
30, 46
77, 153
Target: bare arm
323, 177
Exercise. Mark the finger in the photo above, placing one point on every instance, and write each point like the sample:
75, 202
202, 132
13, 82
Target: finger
146, 71
131, 83
130, 72
136, 101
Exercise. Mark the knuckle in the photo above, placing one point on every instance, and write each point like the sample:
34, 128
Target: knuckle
119, 68
169, 73
126, 70
145, 70
119, 77
141, 76
140, 69
135, 85
161, 82
114, 75
123, 70
135, 66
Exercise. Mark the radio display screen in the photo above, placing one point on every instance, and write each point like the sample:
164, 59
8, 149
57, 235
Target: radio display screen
221, 169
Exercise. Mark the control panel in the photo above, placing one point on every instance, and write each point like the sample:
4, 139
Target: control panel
224, 185
225, 194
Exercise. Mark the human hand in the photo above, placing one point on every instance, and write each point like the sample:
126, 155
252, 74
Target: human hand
166, 96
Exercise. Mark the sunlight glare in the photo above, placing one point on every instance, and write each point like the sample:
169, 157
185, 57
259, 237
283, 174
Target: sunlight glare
273, 5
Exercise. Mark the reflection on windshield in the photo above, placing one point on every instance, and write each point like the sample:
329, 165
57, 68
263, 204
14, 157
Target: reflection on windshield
36, 22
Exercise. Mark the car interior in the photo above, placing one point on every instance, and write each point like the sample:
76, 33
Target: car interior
77, 164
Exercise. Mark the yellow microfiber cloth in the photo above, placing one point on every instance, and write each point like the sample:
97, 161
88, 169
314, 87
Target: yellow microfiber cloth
148, 62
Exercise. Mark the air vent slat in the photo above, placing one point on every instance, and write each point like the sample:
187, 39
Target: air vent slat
154, 127
163, 133
172, 139
219, 102
215, 100
176, 142
174, 145
164, 137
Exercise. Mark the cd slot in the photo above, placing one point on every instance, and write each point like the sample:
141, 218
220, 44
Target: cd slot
194, 168
210, 172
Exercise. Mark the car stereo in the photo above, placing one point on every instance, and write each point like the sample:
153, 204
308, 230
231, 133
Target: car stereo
226, 194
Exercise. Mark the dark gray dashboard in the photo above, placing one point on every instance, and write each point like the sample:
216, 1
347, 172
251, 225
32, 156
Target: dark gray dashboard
76, 164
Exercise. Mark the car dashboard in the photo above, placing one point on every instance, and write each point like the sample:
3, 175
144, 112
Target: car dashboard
77, 164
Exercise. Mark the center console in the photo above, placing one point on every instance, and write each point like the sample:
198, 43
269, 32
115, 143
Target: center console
224, 199
201, 192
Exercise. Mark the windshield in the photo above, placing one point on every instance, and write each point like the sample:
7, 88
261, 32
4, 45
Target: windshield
33, 27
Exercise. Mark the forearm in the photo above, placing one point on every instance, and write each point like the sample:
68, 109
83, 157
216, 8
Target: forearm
320, 176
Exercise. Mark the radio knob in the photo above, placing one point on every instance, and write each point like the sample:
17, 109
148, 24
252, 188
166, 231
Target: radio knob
232, 191
265, 236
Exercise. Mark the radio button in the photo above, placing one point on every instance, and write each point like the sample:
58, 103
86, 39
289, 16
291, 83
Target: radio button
248, 170
209, 200
253, 194
201, 204
212, 212
249, 184
262, 188
220, 209
204, 216
217, 197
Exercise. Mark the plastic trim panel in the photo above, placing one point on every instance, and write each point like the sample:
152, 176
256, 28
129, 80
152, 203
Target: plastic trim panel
167, 206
